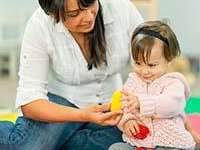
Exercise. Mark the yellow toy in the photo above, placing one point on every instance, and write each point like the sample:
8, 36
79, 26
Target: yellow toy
116, 103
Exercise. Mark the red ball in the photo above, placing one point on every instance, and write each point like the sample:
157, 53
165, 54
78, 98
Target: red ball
144, 131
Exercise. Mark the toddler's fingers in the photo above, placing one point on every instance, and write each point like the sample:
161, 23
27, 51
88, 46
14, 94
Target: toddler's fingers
135, 126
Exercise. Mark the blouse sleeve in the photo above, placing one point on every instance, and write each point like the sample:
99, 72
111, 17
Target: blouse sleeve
34, 64
133, 20
134, 17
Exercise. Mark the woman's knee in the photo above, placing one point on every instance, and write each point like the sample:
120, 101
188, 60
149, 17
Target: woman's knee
31, 135
6, 127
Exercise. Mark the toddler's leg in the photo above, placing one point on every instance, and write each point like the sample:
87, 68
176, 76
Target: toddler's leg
121, 146
168, 148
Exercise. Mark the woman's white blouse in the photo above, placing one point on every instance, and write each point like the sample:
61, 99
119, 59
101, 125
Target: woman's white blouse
51, 60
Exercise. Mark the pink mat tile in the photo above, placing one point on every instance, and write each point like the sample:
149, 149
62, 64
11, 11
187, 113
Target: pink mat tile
195, 121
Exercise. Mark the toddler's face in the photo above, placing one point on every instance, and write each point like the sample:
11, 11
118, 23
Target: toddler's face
156, 65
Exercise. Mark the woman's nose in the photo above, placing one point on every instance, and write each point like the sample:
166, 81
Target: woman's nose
88, 15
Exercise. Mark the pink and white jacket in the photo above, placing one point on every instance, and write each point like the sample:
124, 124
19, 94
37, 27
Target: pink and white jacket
164, 100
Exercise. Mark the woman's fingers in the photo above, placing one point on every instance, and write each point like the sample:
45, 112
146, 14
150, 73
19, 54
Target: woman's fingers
100, 108
111, 118
112, 114
116, 120
105, 107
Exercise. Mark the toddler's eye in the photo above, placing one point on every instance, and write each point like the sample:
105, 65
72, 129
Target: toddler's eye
152, 65
137, 63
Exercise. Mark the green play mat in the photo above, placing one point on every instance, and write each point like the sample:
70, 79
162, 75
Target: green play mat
193, 105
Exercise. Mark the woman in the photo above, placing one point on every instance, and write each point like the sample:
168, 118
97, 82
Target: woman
71, 57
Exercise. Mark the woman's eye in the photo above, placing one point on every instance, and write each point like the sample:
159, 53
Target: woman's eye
72, 13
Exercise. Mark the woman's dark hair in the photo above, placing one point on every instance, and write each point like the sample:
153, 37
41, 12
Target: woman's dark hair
97, 42
144, 38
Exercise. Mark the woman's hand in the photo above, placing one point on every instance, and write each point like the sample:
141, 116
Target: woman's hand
130, 102
100, 114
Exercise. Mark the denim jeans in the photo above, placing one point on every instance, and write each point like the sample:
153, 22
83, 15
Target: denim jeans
126, 146
27, 134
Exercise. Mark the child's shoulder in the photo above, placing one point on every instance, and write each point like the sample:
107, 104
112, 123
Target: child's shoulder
133, 77
174, 76
132, 81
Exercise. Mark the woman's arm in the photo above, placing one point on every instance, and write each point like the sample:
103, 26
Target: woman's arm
44, 110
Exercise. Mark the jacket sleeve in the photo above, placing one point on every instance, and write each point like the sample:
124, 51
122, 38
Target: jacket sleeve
129, 87
169, 103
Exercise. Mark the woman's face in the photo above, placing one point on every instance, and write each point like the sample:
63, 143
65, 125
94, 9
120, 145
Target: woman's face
80, 20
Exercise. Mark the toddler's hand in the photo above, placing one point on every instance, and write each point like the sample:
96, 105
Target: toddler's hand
137, 130
130, 102
131, 128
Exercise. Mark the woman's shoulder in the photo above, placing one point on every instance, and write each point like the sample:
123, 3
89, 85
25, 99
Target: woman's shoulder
123, 12
39, 17
38, 14
118, 4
